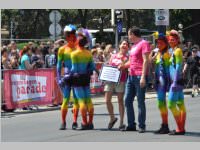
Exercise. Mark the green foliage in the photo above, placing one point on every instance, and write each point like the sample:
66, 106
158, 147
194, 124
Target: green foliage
34, 23
178, 16
21, 45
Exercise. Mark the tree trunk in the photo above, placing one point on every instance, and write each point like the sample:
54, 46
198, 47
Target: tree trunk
83, 17
128, 20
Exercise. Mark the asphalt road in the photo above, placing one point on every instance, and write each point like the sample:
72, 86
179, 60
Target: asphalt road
43, 126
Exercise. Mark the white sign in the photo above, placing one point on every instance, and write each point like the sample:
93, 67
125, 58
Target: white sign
55, 29
26, 87
55, 16
109, 73
162, 17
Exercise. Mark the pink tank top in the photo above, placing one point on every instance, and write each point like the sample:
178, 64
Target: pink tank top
116, 60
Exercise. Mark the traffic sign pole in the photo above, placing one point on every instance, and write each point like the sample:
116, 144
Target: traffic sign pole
118, 26
162, 29
55, 26
11, 30
162, 20
116, 39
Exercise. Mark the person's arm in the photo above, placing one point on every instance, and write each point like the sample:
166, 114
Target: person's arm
144, 69
152, 57
185, 68
179, 62
124, 66
6, 64
45, 62
28, 65
59, 64
92, 67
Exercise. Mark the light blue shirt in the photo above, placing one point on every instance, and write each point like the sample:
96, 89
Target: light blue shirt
23, 59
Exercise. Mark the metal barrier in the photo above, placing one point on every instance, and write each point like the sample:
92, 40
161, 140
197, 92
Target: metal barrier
23, 88
28, 87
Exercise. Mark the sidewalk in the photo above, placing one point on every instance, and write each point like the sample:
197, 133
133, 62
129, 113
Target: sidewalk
97, 100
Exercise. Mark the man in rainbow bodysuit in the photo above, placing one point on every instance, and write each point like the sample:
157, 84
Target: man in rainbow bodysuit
82, 68
162, 81
65, 82
176, 96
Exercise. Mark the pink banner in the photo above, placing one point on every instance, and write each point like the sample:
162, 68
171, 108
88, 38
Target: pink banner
28, 87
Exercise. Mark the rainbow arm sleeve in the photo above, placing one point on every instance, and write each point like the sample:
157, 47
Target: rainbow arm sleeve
178, 61
59, 64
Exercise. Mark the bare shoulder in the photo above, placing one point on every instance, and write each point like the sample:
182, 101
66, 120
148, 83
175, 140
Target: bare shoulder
178, 51
61, 49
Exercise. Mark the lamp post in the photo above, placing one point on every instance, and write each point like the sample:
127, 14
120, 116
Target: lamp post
180, 31
11, 29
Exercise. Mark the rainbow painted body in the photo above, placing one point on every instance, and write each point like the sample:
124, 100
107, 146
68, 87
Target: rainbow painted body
82, 63
176, 96
64, 58
162, 83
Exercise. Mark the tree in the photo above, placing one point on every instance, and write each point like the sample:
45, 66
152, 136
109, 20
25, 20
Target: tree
83, 17
128, 19
34, 23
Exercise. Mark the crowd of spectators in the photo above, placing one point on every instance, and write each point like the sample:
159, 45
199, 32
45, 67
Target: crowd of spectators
31, 56
44, 55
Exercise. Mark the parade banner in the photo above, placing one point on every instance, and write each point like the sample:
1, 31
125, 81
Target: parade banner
57, 93
28, 87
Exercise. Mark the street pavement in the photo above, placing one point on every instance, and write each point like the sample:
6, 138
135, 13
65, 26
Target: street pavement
42, 125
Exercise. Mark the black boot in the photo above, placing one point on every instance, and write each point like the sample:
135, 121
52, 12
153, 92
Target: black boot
90, 126
163, 130
74, 126
63, 126
84, 127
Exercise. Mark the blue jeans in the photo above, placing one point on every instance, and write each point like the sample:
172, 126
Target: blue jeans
133, 89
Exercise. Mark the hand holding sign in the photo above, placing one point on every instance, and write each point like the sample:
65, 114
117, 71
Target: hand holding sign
110, 73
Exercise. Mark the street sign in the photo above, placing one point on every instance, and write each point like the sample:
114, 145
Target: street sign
119, 26
55, 29
162, 17
55, 16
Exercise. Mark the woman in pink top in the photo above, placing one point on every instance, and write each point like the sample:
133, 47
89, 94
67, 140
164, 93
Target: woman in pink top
116, 60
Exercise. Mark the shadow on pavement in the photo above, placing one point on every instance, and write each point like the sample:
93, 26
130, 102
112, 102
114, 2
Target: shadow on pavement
12, 114
194, 134
103, 114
